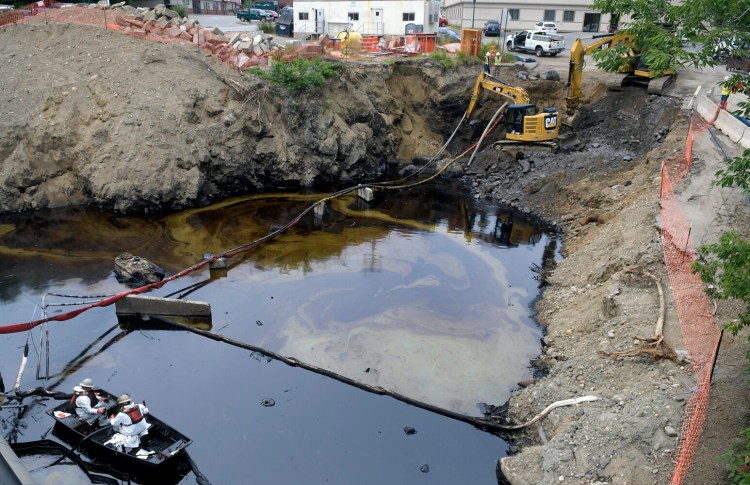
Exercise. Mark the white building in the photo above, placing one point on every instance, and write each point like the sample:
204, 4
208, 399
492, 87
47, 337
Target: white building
570, 15
368, 17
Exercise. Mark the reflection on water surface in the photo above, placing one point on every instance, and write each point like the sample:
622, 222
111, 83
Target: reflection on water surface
423, 293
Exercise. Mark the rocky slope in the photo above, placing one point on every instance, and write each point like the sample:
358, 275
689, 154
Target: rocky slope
96, 117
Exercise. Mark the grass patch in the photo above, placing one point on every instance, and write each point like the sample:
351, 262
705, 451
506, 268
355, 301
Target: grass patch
446, 60
299, 74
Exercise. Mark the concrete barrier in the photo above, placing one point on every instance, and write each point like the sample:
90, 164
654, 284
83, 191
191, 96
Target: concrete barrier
705, 107
745, 141
736, 130
730, 126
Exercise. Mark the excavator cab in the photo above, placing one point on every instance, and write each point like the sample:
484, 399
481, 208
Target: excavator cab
523, 122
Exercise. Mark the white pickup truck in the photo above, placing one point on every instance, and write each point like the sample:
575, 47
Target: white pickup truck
538, 42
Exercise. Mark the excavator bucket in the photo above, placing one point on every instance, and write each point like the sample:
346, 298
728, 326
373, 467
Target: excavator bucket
568, 141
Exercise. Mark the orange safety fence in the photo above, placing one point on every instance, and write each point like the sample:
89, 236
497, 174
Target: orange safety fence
699, 330
151, 30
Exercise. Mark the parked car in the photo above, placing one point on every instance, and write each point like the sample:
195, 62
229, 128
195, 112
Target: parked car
447, 35
443, 22
491, 28
252, 14
273, 14
548, 27
539, 43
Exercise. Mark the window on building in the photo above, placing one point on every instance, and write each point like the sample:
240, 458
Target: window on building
569, 16
549, 15
408, 17
353, 16
304, 15
514, 13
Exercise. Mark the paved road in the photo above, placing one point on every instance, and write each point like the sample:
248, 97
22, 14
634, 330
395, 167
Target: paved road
227, 23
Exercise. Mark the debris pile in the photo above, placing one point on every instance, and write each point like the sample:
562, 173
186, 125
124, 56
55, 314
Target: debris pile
249, 48
243, 50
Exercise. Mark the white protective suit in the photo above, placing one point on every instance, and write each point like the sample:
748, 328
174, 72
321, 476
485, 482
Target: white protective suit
127, 434
84, 410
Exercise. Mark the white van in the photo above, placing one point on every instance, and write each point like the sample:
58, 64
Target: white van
546, 27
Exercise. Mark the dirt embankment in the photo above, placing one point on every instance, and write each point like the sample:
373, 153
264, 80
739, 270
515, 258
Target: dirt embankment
95, 117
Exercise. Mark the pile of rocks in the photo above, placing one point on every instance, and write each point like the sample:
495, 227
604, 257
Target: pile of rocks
242, 51
251, 46
158, 13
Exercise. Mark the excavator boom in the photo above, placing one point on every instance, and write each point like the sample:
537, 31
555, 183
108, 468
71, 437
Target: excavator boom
523, 123
486, 81
575, 73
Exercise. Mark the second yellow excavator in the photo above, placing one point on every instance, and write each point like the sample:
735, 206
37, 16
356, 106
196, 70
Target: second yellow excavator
524, 123
633, 72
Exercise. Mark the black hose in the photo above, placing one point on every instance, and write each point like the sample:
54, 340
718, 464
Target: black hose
479, 423
199, 477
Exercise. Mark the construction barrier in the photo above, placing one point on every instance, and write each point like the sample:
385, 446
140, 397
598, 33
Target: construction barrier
370, 44
699, 330
18, 14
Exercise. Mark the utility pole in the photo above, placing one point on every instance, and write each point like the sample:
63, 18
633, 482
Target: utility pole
473, 11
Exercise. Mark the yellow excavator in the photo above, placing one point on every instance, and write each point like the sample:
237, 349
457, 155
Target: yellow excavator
524, 123
634, 72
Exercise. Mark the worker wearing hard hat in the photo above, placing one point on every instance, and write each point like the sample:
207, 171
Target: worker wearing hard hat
88, 405
727, 89
130, 425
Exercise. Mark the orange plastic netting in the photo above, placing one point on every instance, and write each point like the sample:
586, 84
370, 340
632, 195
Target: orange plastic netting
699, 330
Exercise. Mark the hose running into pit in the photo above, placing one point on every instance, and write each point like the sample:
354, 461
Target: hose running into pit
109, 300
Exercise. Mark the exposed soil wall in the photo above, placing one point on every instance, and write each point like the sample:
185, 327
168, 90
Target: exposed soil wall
96, 117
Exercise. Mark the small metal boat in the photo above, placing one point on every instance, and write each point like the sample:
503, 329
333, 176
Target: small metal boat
160, 454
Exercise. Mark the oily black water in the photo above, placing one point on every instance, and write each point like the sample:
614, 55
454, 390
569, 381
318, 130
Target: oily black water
423, 293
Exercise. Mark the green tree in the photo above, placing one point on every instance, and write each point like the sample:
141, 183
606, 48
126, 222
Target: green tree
692, 33
725, 270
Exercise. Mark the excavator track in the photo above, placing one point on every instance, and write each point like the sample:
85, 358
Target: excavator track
553, 145
658, 85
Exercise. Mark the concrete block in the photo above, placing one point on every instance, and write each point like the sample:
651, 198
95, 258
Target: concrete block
706, 108
745, 140
730, 126
150, 305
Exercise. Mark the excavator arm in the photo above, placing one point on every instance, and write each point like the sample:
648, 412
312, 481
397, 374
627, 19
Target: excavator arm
485, 81
523, 122
577, 54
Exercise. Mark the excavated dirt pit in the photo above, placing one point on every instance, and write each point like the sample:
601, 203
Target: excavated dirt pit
83, 105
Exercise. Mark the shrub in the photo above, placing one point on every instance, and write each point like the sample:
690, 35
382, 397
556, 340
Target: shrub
725, 269
738, 459
298, 74
179, 9
268, 27
443, 57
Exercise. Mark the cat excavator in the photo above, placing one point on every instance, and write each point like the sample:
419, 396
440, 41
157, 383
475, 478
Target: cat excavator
634, 72
524, 123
